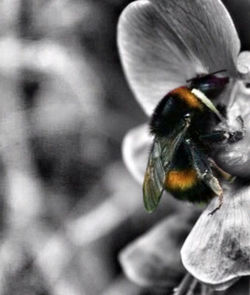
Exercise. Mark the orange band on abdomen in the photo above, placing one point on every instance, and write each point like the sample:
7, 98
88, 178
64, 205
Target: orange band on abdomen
181, 179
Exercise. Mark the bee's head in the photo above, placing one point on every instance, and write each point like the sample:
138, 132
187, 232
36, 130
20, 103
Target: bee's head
210, 84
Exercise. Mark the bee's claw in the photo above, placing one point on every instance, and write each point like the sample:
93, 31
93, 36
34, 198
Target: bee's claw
213, 211
218, 207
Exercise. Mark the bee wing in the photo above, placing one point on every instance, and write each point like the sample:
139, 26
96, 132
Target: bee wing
160, 158
154, 178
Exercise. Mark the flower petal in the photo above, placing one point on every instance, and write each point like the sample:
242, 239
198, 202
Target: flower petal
154, 259
235, 158
217, 251
163, 43
135, 149
206, 28
243, 64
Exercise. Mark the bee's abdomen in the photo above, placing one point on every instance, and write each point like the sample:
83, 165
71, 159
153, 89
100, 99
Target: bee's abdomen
185, 185
181, 180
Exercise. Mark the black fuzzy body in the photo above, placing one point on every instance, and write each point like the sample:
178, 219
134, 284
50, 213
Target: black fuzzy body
171, 111
167, 116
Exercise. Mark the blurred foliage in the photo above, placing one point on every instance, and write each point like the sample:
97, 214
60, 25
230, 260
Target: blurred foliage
65, 107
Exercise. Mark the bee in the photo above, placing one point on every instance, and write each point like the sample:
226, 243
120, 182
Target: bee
178, 162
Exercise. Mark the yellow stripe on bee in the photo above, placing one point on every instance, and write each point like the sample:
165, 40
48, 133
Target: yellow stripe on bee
185, 94
181, 179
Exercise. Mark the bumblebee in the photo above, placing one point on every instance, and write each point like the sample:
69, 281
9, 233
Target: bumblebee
178, 162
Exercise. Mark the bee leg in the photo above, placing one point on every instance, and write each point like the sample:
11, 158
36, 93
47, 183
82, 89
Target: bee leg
237, 135
218, 207
217, 136
214, 184
222, 172
225, 135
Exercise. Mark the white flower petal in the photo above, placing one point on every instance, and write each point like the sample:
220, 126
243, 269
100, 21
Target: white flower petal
243, 64
135, 150
162, 43
205, 27
235, 157
217, 251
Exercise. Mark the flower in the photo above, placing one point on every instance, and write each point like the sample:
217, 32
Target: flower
221, 242
162, 44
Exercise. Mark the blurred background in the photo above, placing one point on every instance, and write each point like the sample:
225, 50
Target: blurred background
68, 204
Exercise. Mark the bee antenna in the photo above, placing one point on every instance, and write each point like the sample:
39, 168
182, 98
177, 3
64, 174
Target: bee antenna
207, 75
220, 71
